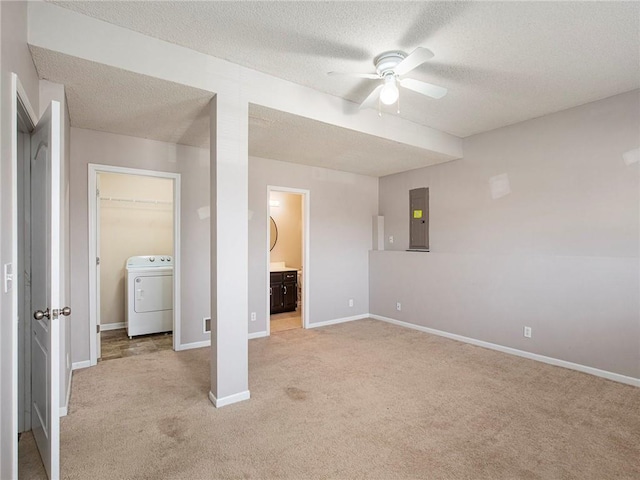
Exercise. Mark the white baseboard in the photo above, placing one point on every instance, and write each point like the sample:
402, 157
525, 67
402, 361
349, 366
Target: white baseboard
111, 326
616, 377
189, 346
257, 335
338, 320
229, 399
79, 365
207, 343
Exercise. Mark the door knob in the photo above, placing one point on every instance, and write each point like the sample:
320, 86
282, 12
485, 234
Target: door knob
39, 314
66, 311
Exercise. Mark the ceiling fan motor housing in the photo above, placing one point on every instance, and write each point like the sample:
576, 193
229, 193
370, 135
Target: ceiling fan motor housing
387, 61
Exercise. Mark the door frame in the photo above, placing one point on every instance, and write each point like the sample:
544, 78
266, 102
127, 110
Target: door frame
94, 281
306, 202
18, 96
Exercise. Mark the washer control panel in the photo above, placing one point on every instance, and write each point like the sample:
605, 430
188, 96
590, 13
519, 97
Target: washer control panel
149, 261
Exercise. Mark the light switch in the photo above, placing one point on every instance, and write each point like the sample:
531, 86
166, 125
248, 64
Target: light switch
8, 277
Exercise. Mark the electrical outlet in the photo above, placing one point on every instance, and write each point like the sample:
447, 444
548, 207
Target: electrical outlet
398, 306
351, 302
253, 316
390, 238
527, 332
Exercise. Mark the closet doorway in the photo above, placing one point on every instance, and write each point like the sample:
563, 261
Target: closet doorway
134, 258
287, 258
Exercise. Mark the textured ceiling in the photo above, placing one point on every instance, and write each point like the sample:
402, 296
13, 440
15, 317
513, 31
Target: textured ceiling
503, 62
290, 138
118, 101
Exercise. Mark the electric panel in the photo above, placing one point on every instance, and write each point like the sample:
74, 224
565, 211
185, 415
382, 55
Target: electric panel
419, 219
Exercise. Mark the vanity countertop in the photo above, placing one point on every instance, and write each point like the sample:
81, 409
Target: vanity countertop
283, 269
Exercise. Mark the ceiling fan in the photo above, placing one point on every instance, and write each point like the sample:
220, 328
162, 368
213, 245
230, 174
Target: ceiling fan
390, 66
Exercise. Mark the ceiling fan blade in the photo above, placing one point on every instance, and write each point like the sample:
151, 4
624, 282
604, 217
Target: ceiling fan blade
372, 99
424, 88
372, 76
415, 58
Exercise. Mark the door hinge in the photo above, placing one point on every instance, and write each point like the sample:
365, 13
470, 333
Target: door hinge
97, 260
97, 328
98, 192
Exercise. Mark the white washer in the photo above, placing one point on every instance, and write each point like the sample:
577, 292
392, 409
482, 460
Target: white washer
149, 294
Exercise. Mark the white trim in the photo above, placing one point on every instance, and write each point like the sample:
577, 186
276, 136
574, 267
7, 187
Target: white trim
93, 171
258, 335
105, 327
616, 377
229, 399
207, 343
64, 410
18, 93
306, 229
80, 365
335, 321
191, 346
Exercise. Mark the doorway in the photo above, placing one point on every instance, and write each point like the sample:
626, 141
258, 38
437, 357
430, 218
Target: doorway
134, 237
287, 258
25, 125
35, 277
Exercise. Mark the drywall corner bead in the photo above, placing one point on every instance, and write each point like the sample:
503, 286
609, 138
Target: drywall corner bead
204, 212
632, 156
499, 186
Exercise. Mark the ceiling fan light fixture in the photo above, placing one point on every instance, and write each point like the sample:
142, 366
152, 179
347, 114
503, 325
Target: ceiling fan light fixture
389, 93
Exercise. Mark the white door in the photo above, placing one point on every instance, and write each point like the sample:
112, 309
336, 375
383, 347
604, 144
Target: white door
45, 288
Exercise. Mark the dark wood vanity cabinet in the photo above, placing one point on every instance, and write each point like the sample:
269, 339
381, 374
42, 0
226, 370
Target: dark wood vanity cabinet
283, 290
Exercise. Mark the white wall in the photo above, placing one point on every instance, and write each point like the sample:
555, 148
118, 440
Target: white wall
129, 228
341, 207
88, 146
288, 219
559, 253
14, 57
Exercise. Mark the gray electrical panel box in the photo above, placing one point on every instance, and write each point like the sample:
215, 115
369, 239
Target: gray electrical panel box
419, 219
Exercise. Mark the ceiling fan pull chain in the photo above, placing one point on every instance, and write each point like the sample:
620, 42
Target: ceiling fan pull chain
398, 104
379, 107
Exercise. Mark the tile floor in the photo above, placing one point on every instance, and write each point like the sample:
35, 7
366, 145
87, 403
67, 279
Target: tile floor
285, 321
116, 344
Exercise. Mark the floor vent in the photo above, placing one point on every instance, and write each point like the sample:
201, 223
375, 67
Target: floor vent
206, 324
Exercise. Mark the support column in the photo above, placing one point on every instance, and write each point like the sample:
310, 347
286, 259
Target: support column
229, 247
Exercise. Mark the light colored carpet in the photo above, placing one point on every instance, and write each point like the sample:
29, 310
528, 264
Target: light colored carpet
30, 466
363, 399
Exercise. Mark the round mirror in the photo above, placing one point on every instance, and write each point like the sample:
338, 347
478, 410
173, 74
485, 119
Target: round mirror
274, 233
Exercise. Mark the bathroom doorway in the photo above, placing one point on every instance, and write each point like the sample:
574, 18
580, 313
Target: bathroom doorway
287, 259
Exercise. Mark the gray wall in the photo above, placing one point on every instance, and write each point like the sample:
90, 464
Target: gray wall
341, 209
88, 146
559, 253
14, 57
